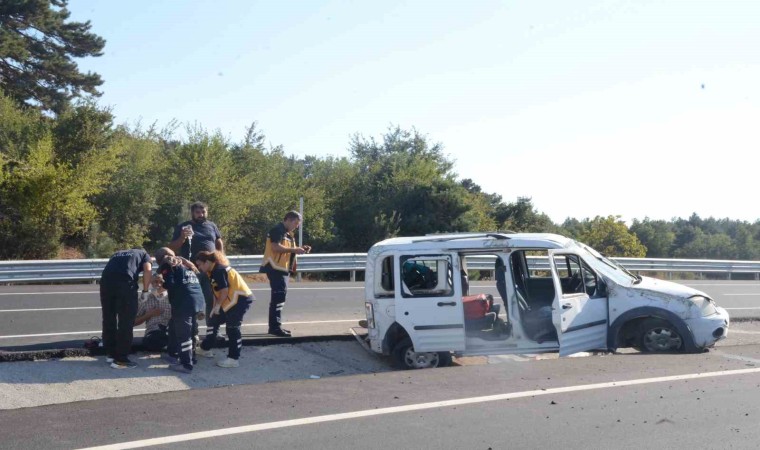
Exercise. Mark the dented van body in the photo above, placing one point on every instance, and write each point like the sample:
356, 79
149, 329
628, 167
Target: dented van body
548, 294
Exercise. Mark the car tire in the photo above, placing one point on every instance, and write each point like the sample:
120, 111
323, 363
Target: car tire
659, 336
405, 358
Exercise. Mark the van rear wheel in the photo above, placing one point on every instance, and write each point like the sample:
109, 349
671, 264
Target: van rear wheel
405, 358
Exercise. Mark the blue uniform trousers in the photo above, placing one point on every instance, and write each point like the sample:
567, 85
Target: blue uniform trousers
233, 319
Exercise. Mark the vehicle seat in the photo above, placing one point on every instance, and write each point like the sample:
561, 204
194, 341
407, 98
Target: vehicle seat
536, 323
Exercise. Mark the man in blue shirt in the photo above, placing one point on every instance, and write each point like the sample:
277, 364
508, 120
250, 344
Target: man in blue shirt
118, 300
195, 236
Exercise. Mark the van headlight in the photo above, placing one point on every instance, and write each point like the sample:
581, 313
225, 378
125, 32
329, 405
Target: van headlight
705, 305
370, 315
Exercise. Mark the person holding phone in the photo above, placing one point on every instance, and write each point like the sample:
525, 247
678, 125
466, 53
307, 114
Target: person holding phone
280, 254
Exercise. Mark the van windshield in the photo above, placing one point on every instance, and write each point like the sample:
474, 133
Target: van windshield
618, 272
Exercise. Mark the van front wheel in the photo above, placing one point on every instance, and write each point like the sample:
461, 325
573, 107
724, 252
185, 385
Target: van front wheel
405, 358
659, 336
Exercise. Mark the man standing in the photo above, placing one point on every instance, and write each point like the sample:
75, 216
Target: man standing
279, 261
195, 236
118, 300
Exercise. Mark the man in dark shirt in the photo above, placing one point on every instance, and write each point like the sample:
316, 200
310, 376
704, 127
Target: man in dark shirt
195, 236
279, 261
118, 300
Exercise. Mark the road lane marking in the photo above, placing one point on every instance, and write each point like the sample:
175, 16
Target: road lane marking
49, 309
336, 288
407, 408
753, 307
70, 333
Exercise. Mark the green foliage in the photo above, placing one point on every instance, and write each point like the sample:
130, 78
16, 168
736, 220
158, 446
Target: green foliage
77, 179
43, 196
403, 186
522, 217
610, 236
656, 235
37, 47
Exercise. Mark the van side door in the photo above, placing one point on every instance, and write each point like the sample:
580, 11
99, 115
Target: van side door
428, 296
580, 308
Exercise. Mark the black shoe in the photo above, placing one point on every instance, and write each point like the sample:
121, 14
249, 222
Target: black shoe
281, 332
125, 364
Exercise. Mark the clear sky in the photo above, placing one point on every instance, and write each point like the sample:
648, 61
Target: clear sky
638, 109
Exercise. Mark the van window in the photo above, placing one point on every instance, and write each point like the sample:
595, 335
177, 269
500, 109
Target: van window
575, 276
427, 276
384, 286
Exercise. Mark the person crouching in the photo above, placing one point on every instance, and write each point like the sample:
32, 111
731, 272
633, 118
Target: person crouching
186, 300
232, 299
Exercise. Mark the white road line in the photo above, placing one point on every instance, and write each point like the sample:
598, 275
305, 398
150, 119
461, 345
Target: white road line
48, 293
49, 309
336, 288
753, 307
70, 333
407, 408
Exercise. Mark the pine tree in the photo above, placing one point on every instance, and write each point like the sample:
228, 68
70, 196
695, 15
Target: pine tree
37, 47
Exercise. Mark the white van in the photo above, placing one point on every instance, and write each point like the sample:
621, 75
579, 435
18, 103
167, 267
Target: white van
558, 295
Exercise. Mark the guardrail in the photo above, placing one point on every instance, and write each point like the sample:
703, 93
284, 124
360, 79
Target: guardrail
90, 269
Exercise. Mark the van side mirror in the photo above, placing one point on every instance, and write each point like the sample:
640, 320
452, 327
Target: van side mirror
601, 289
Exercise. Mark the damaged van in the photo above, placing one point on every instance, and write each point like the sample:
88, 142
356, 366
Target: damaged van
548, 294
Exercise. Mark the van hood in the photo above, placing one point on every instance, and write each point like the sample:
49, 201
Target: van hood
666, 287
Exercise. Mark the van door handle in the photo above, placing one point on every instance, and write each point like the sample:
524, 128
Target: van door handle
447, 303
567, 306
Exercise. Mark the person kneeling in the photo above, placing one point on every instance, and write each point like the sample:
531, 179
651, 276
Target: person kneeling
186, 300
232, 298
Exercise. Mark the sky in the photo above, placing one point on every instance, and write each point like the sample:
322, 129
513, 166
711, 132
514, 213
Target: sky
591, 108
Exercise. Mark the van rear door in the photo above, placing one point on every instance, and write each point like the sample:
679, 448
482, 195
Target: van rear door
428, 295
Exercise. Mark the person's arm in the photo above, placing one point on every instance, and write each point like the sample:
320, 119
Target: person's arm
188, 264
279, 248
139, 320
218, 243
147, 275
179, 237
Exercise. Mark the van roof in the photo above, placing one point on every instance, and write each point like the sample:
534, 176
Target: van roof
455, 241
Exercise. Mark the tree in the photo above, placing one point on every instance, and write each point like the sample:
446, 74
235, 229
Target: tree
37, 47
44, 197
404, 185
610, 236
656, 235
522, 217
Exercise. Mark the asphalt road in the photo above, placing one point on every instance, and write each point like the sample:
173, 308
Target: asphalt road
709, 400
64, 315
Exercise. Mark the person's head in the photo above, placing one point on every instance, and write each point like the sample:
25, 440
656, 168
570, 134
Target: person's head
158, 282
199, 212
162, 254
207, 260
292, 220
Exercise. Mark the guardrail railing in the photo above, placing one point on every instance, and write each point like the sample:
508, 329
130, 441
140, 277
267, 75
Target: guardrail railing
90, 269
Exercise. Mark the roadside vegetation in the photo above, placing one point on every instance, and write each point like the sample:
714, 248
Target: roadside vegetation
74, 183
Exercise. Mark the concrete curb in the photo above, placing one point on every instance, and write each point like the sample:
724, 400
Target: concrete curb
35, 355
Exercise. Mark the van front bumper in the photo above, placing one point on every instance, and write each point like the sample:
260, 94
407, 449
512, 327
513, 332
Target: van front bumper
710, 329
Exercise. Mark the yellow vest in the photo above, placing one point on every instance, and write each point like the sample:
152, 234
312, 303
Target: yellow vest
236, 288
280, 261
